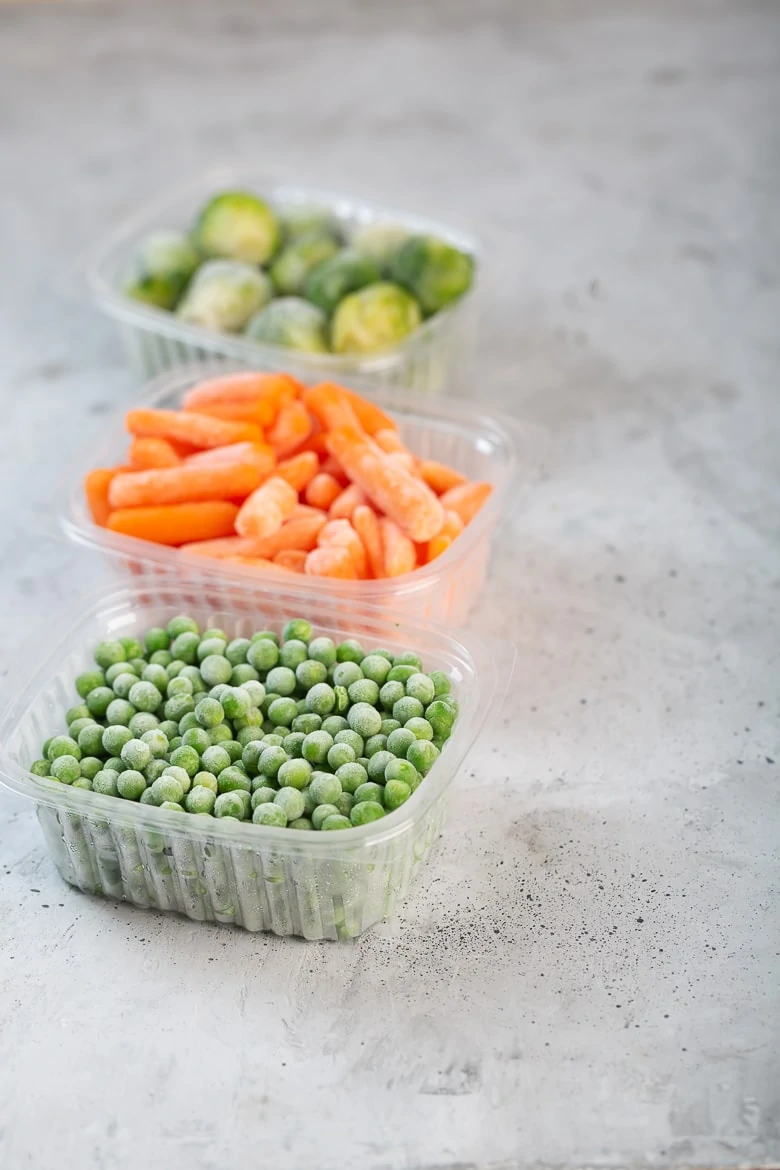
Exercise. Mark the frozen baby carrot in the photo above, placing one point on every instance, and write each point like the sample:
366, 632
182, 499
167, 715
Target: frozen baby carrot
366, 524
299, 469
148, 453
293, 559
255, 562
398, 552
198, 429
408, 501
223, 546
332, 467
341, 534
267, 508
292, 427
439, 477
96, 485
182, 484
466, 499
330, 406
243, 387
258, 454
405, 460
345, 503
389, 440
261, 411
370, 416
322, 490
452, 527
176, 523
299, 532
334, 561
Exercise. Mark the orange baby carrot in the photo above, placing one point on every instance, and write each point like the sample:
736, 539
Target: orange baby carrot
254, 562
405, 499
223, 546
366, 524
344, 504
96, 485
315, 443
249, 386
466, 499
332, 467
452, 527
176, 523
267, 508
299, 469
182, 485
405, 460
199, 429
370, 416
299, 532
293, 559
261, 411
343, 535
439, 477
258, 454
147, 453
321, 490
398, 552
293, 425
389, 440
334, 561
330, 406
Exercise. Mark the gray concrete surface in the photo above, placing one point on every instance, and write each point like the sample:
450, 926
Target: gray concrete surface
589, 973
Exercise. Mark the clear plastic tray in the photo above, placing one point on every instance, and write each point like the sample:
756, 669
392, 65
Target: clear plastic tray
436, 356
482, 446
330, 885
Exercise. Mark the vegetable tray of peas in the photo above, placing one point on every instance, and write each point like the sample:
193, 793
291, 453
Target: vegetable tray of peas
481, 447
314, 283
212, 753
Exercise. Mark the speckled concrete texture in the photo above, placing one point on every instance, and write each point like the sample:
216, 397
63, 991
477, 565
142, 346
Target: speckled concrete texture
588, 974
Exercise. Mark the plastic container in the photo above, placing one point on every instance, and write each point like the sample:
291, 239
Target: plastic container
482, 446
437, 355
329, 885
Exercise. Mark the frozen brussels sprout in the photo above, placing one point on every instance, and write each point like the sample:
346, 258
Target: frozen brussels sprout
224, 294
344, 273
237, 226
161, 269
380, 241
375, 318
293, 322
435, 272
294, 263
307, 218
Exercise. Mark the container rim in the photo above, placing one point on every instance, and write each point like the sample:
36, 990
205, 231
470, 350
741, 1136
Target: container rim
485, 658
112, 301
504, 432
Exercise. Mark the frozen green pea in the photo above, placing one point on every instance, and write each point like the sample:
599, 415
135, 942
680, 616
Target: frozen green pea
182, 624
161, 658
209, 712
175, 743
211, 645
40, 768
220, 734
178, 706
247, 735
269, 814
232, 779
229, 804
346, 673
186, 758
90, 766
136, 754
364, 719
388, 727
79, 712
321, 812
401, 674
180, 685
342, 699
297, 629
271, 739
323, 650
396, 793
408, 658
350, 651
214, 632
341, 753
376, 668
83, 782
132, 648
250, 756
307, 722
99, 700
105, 783
107, 653
369, 790
259, 635
66, 769
118, 669
172, 806
271, 761
363, 761
334, 724
293, 744
122, 684
281, 680
197, 738
243, 673
282, 712
263, 795
235, 703
233, 749
300, 823
374, 744
420, 687
187, 722
365, 812
131, 784
156, 639
441, 717
316, 746
337, 821
354, 740
294, 774
308, 801
406, 709
193, 674
263, 654
215, 668
90, 680
62, 745
270, 697
399, 769
383, 653
175, 667
200, 799
377, 765
142, 722
253, 718
321, 699
422, 755
301, 706
291, 802
155, 675
146, 797
364, 690
154, 770
185, 647
351, 776
255, 690
399, 741
441, 682
310, 672
90, 739
168, 728
167, 787
205, 780
420, 728
324, 788
293, 653
145, 697
114, 764
236, 650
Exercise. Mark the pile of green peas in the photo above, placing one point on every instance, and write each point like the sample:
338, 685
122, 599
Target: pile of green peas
296, 732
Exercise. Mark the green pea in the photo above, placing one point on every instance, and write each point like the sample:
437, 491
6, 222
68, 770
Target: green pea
147, 798
235, 703
157, 676
307, 723
401, 674
390, 693
114, 764
281, 680
62, 745
422, 754
346, 673
316, 746
441, 717
263, 795
142, 722
293, 653
324, 788
215, 668
211, 645
136, 754
118, 669
335, 822
105, 783
297, 629
308, 802
161, 658
377, 765
364, 690
310, 672
406, 709
271, 761
321, 812
175, 667
185, 647
200, 799
376, 668
388, 654
441, 682
250, 756
229, 804
247, 735
420, 728
99, 700
341, 753
197, 738
282, 712
172, 806
300, 823
270, 697
323, 650
83, 782
396, 793
402, 770
269, 814
40, 768
107, 653
131, 784
374, 744
364, 719
334, 724
269, 634
263, 654
243, 673
90, 739
79, 712
290, 801
271, 739
180, 685
66, 769
399, 741
365, 812
342, 699
209, 712
167, 788
351, 776
389, 726
154, 770
186, 758
90, 766
132, 648
293, 744
220, 734
255, 690
205, 779
233, 779
294, 774
174, 744
369, 791
350, 651
145, 697
156, 639
236, 650
90, 680
178, 706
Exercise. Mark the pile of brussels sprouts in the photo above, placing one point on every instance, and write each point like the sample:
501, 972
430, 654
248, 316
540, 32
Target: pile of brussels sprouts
291, 278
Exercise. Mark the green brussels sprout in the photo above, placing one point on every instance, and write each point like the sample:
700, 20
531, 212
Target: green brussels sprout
293, 322
375, 318
223, 295
161, 269
294, 263
435, 272
344, 273
380, 242
237, 226
308, 218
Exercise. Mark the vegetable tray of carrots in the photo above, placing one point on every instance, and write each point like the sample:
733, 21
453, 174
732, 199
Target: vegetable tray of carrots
236, 473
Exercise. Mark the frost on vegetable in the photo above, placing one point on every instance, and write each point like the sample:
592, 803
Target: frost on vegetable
308, 218
377, 317
434, 271
380, 242
292, 322
224, 294
333, 279
294, 263
161, 269
236, 225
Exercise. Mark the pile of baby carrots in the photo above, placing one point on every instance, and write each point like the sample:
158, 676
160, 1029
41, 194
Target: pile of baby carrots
256, 469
